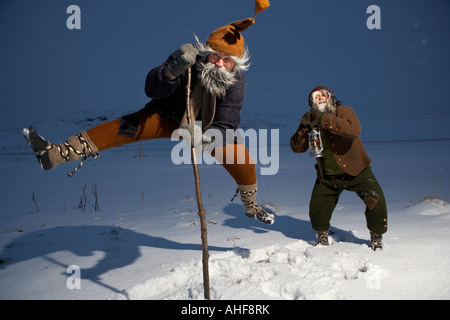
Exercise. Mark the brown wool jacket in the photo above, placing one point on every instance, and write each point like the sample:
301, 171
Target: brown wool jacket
344, 128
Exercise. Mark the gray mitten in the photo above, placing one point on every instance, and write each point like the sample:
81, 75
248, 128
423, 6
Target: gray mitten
185, 57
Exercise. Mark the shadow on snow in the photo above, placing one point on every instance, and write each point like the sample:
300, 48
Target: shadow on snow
289, 226
120, 247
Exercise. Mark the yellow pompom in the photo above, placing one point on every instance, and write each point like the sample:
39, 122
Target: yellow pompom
261, 5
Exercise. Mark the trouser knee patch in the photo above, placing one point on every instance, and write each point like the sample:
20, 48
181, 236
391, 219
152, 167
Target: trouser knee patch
128, 126
370, 203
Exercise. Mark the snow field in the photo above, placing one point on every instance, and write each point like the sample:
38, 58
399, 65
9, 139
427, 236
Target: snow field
144, 243
276, 272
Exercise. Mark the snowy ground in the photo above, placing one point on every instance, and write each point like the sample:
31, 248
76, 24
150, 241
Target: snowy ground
144, 243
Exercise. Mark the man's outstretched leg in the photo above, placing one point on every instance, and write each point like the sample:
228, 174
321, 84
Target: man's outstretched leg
142, 125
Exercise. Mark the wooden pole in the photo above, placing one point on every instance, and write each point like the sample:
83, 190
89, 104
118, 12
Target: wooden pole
201, 211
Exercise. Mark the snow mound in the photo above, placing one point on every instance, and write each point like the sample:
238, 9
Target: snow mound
432, 206
295, 271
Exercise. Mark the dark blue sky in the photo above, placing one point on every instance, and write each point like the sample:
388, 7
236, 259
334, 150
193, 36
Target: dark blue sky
400, 71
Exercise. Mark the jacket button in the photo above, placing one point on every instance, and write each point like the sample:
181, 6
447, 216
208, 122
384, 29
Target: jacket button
344, 165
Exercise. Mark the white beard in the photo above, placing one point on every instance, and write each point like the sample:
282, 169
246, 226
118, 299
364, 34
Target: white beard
216, 80
324, 107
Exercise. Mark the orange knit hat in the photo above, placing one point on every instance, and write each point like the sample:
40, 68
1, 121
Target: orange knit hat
228, 39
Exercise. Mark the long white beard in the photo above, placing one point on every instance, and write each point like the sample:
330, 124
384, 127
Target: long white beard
216, 80
324, 107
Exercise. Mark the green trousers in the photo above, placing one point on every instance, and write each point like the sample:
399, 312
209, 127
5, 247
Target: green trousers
326, 192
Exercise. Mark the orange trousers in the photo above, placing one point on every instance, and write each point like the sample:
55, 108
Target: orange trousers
153, 125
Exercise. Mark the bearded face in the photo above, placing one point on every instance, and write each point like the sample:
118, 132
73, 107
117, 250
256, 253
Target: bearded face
215, 79
322, 101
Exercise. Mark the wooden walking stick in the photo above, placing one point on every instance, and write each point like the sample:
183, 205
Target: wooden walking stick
201, 211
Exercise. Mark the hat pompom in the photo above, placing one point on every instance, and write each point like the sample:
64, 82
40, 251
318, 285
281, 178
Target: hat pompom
261, 5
